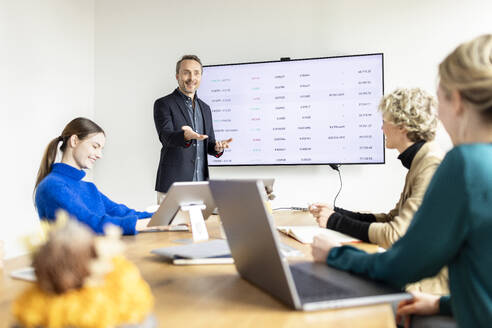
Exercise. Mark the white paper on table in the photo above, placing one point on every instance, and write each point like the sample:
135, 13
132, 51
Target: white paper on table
305, 234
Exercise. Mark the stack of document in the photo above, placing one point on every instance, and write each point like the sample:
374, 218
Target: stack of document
211, 252
215, 251
305, 234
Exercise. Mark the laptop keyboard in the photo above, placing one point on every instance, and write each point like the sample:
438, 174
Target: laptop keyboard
311, 288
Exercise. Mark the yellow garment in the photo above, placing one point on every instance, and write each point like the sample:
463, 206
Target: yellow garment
124, 297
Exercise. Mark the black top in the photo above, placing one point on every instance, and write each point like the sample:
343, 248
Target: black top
357, 224
407, 156
351, 223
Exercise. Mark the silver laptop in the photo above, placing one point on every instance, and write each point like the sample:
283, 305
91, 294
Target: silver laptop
254, 244
183, 193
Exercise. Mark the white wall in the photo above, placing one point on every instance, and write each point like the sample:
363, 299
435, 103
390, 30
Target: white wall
60, 58
46, 79
138, 43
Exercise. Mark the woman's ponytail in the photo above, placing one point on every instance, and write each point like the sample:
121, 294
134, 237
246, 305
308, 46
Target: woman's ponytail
47, 161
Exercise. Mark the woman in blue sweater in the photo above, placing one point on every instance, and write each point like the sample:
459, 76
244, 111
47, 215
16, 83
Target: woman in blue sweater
453, 226
60, 185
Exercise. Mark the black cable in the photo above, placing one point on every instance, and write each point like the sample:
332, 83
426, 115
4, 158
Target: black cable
337, 168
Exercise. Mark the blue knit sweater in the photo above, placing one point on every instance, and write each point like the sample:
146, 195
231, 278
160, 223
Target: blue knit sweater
64, 189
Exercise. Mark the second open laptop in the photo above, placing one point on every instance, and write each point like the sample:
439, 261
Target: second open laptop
183, 193
254, 244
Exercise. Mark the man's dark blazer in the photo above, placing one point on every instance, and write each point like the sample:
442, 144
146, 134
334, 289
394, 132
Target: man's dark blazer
177, 162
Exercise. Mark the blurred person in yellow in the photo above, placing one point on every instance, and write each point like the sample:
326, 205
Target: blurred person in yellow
83, 281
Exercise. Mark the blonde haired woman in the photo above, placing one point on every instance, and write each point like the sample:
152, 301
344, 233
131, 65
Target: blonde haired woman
453, 226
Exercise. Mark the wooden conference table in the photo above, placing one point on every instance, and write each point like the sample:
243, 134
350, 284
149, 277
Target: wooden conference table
212, 295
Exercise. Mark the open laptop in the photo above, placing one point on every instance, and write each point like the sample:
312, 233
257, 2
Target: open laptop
183, 193
254, 244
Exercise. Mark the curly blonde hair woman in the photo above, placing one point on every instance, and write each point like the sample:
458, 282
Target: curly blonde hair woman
412, 109
454, 223
409, 124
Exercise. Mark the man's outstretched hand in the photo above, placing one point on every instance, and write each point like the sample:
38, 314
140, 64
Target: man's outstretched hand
190, 134
221, 145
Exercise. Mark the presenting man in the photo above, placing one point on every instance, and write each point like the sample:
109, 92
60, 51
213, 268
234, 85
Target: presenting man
184, 126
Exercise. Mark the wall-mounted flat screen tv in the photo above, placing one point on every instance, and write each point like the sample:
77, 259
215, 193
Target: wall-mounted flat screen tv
297, 112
